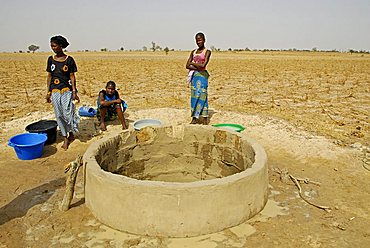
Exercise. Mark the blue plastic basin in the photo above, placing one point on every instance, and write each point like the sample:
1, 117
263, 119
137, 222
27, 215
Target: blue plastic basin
28, 146
86, 111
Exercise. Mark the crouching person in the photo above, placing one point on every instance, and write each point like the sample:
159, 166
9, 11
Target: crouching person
110, 105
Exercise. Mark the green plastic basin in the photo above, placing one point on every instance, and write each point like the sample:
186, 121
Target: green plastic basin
231, 127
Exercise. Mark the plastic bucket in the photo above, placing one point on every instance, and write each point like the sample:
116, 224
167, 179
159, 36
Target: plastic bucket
49, 127
86, 111
28, 146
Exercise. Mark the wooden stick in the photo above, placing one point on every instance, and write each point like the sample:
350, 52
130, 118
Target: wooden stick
327, 209
71, 169
295, 180
307, 181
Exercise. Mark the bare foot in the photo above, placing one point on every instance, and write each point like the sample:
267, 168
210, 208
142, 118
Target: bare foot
71, 138
102, 126
65, 144
193, 121
205, 121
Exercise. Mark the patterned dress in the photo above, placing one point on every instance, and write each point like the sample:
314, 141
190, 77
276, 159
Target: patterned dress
199, 88
61, 93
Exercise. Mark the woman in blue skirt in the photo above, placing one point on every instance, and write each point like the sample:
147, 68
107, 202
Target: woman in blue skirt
198, 79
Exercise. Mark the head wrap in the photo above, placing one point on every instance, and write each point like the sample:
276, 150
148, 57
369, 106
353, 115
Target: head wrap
60, 40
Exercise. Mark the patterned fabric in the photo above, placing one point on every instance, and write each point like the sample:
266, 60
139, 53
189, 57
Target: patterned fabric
60, 72
199, 94
61, 91
65, 112
111, 112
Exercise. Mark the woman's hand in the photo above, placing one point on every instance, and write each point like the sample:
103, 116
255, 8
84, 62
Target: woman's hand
75, 97
118, 101
48, 97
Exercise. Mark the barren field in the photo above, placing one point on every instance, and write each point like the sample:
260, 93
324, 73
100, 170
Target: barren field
310, 110
327, 93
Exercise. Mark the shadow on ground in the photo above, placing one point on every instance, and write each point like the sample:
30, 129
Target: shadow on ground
25, 201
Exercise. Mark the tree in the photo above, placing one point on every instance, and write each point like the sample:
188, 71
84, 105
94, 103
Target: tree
213, 48
166, 49
33, 48
145, 48
153, 46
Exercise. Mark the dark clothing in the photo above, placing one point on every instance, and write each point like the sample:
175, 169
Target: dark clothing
115, 96
60, 73
111, 109
61, 96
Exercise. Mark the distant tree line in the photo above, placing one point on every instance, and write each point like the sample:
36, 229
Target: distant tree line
155, 47
355, 51
292, 50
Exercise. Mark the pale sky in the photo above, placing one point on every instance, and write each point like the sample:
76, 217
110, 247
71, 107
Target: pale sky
111, 24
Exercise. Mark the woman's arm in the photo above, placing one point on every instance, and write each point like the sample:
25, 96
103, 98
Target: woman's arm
105, 103
204, 64
74, 88
48, 93
188, 63
102, 101
73, 81
118, 99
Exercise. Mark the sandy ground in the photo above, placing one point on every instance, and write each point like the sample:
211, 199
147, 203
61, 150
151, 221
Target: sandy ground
312, 131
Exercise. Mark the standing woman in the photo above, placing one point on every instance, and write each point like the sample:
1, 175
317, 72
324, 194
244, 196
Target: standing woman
61, 89
198, 76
